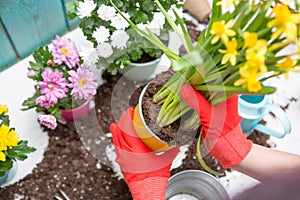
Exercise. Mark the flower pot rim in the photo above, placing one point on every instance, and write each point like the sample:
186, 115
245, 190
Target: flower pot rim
157, 60
142, 117
88, 100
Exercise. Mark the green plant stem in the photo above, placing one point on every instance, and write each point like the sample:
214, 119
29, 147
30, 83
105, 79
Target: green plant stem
202, 162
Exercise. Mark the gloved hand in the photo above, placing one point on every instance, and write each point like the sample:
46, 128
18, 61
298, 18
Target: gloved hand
145, 173
222, 134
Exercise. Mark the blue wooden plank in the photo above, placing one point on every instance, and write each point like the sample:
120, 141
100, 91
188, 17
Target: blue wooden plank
72, 24
7, 54
32, 23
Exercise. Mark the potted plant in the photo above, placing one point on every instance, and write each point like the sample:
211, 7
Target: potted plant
117, 44
239, 49
64, 86
11, 147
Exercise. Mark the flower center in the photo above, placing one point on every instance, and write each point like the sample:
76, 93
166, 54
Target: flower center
51, 86
219, 28
64, 51
251, 40
282, 13
254, 62
287, 64
231, 47
82, 82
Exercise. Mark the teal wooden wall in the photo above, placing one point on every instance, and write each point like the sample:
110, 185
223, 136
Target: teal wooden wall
27, 24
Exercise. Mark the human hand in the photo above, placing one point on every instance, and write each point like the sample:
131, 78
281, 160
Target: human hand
141, 167
222, 133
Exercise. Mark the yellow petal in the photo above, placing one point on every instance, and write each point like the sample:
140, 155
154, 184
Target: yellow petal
215, 39
2, 156
295, 18
225, 59
233, 60
230, 32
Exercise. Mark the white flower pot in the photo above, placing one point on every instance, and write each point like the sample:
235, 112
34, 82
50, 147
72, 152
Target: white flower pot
140, 71
9, 175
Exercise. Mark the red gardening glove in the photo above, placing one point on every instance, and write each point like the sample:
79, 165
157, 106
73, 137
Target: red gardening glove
222, 134
145, 172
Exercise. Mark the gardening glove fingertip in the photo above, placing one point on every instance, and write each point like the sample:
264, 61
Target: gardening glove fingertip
194, 99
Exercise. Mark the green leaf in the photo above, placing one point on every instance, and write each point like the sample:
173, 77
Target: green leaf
235, 89
20, 152
5, 120
191, 59
5, 166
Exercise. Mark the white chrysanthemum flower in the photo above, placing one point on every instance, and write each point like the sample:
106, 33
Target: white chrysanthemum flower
159, 19
89, 55
104, 50
85, 8
118, 22
179, 11
119, 39
101, 34
155, 28
106, 12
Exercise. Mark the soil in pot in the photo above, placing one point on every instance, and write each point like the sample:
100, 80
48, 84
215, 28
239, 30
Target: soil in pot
173, 134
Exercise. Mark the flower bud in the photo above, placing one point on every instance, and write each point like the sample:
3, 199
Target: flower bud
30, 74
50, 63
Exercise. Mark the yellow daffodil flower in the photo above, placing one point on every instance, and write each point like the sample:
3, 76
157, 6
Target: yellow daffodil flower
260, 50
221, 31
253, 84
3, 109
250, 39
287, 64
230, 52
285, 22
8, 138
248, 79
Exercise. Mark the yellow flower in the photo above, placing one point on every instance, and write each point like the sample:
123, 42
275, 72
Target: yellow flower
3, 109
252, 70
260, 50
8, 138
285, 22
230, 52
287, 64
248, 79
253, 84
250, 39
221, 30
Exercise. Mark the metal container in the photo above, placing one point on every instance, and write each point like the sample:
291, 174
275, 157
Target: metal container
197, 184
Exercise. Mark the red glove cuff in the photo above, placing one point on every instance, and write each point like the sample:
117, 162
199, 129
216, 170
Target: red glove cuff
152, 188
230, 149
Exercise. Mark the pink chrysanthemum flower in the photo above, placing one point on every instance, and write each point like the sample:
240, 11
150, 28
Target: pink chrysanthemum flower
83, 83
64, 51
46, 102
53, 87
48, 121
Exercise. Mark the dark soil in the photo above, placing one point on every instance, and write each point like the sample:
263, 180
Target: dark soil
172, 134
75, 160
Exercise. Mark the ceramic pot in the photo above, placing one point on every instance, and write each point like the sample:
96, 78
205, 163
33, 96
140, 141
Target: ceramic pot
140, 71
143, 130
78, 112
195, 184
